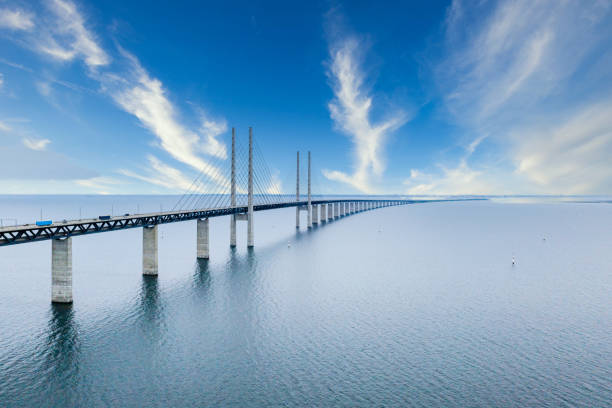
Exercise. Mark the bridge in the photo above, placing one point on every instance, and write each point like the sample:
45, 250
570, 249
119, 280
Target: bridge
195, 204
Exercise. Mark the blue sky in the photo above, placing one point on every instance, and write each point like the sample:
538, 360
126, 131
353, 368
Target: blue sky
439, 97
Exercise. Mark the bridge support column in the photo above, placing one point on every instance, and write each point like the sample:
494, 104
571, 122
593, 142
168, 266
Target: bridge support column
202, 239
233, 191
330, 212
309, 200
233, 230
149, 250
297, 192
315, 214
61, 270
323, 212
309, 216
250, 232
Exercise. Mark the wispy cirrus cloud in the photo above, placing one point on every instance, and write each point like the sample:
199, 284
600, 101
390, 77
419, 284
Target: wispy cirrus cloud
68, 38
36, 144
162, 174
351, 111
210, 131
65, 36
531, 81
139, 94
4, 127
16, 19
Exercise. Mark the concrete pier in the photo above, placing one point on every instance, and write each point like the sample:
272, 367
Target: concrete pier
149, 250
330, 212
315, 214
323, 213
202, 239
61, 270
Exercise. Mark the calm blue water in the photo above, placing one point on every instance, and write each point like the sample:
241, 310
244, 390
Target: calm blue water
406, 306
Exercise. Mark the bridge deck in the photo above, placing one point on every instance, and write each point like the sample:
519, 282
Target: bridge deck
31, 232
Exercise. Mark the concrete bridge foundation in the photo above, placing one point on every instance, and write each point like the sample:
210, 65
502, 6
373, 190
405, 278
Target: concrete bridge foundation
149, 250
202, 239
61, 270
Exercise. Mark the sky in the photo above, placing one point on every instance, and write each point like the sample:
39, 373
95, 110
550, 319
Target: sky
419, 98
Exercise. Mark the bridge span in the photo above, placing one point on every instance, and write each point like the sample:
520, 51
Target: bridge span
61, 233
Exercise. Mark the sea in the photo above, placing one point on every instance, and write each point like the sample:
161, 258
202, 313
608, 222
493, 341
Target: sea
418, 305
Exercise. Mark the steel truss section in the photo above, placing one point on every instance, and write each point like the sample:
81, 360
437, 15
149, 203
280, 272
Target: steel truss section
32, 232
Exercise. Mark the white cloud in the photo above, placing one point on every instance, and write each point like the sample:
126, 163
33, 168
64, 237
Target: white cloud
63, 34
36, 144
533, 80
4, 127
570, 155
460, 180
274, 186
16, 19
163, 175
351, 110
100, 184
68, 37
211, 129
65, 37
1, 80
44, 88
145, 98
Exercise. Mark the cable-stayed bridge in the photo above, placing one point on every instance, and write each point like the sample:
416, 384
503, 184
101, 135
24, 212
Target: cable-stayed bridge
239, 191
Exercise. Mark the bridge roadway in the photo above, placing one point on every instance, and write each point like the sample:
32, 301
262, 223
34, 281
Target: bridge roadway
12, 235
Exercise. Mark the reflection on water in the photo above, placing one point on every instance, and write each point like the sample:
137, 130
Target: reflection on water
151, 305
408, 306
61, 346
